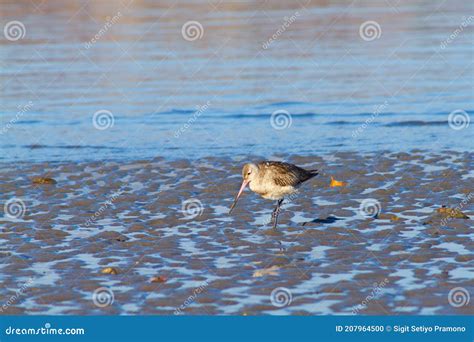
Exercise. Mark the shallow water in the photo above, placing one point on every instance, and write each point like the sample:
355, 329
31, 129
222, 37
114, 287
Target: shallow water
163, 218
152, 80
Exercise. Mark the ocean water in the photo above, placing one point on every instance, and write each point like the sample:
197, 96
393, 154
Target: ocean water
331, 85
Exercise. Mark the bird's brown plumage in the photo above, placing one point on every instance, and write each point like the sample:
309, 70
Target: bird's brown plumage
285, 174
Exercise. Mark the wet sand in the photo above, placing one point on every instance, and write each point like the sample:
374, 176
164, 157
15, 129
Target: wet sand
163, 227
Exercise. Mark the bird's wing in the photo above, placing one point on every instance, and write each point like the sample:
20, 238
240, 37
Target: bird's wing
284, 174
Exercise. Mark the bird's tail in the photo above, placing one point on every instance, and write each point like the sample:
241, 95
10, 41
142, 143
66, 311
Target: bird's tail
312, 173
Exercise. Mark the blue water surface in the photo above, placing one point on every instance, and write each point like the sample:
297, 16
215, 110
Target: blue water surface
333, 86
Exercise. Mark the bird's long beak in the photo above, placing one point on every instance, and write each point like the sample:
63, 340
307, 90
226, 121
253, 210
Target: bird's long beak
244, 184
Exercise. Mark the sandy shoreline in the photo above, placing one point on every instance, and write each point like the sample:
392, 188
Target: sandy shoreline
163, 225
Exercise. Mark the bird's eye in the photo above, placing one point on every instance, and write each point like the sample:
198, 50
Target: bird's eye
248, 173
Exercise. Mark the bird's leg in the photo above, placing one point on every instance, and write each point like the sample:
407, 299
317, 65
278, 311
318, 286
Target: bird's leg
275, 213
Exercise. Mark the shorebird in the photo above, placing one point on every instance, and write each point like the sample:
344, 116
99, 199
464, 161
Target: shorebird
273, 180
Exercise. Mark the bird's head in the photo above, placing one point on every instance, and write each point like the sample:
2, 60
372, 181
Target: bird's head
249, 172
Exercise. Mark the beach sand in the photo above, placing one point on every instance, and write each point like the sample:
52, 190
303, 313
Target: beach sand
164, 228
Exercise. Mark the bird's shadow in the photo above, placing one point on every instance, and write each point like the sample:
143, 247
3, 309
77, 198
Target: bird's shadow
329, 219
